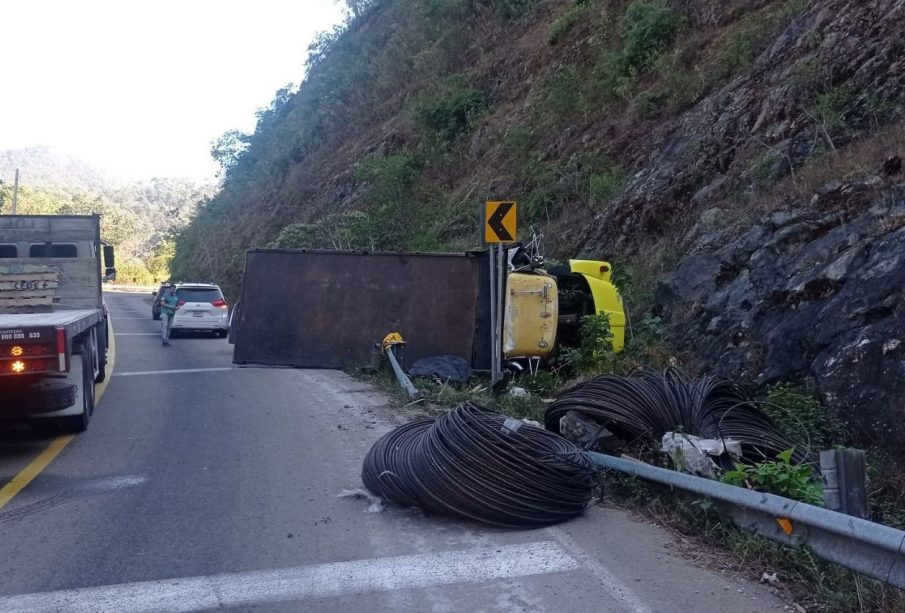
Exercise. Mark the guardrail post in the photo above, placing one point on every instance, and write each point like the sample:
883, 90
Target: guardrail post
845, 481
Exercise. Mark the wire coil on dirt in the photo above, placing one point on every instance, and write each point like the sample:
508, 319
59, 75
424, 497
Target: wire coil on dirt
477, 464
648, 404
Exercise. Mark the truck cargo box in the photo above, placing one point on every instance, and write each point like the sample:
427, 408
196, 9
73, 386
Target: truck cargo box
328, 309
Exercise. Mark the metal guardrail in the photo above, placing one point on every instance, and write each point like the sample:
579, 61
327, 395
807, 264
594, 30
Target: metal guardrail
135, 289
873, 549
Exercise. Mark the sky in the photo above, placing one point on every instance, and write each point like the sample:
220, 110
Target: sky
140, 88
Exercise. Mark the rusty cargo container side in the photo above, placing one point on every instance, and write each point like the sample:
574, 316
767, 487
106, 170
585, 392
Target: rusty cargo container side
327, 309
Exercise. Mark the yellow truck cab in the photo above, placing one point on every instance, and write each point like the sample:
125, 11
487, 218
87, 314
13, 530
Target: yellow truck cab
545, 307
605, 295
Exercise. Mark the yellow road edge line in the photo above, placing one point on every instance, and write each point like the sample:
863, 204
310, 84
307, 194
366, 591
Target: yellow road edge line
34, 469
101, 387
57, 445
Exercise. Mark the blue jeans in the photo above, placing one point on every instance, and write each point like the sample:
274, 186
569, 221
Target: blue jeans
166, 320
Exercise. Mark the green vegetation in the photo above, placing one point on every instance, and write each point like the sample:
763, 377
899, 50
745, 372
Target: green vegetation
749, 37
886, 477
567, 20
780, 477
595, 353
802, 417
139, 219
395, 219
563, 93
827, 109
451, 110
649, 27
603, 186
437, 395
644, 345
344, 231
821, 585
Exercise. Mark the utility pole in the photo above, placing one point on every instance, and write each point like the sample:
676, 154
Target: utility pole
15, 191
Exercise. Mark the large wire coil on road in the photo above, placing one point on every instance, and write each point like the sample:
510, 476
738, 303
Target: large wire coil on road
476, 464
650, 403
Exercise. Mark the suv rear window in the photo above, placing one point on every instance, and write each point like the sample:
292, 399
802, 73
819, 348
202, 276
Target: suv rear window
8, 251
199, 294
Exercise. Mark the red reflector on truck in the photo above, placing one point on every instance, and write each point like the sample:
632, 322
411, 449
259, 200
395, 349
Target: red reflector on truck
61, 348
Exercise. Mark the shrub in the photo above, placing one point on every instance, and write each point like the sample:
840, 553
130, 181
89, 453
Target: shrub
801, 417
518, 141
452, 110
604, 185
779, 477
563, 24
595, 351
649, 27
390, 176
563, 93
343, 231
828, 108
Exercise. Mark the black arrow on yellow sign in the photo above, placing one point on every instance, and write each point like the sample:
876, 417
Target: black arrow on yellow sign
500, 222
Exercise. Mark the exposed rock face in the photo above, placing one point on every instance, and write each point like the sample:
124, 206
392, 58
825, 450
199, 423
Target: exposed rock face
805, 94
816, 290
816, 293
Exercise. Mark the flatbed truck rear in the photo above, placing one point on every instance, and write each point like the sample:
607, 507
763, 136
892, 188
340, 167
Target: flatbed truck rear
54, 327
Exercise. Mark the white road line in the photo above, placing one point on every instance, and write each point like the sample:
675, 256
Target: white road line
303, 582
619, 591
136, 333
141, 373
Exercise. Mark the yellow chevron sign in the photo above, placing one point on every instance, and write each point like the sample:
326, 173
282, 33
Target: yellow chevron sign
500, 222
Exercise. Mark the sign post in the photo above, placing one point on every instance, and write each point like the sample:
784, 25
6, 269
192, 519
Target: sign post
499, 227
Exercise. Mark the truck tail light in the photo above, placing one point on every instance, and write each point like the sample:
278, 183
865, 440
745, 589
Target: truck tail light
220, 303
61, 348
17, 367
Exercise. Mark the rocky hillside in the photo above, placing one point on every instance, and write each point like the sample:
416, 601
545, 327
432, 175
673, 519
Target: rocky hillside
739, 159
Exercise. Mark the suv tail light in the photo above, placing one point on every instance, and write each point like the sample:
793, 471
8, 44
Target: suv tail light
180, 303
220, 303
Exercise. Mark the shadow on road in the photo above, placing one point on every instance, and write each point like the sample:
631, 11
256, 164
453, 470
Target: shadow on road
23, 439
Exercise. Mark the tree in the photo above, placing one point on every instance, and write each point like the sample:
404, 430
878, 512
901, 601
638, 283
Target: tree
228, 149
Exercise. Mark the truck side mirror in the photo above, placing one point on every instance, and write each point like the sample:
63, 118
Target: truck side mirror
109, 258
109, 274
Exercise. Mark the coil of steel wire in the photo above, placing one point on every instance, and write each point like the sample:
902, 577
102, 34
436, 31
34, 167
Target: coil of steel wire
476, 464
647, 404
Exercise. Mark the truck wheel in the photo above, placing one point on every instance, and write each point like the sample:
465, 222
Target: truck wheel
79, 423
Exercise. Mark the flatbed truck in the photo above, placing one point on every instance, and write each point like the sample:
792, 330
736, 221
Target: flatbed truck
54, 327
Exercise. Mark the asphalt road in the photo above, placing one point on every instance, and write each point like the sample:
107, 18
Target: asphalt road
217, 488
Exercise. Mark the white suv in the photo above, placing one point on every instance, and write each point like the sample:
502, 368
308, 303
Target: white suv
201, 307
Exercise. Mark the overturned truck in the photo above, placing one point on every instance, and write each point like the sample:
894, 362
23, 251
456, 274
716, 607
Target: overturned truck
330, 309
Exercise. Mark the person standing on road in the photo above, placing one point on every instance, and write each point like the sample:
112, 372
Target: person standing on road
169, 303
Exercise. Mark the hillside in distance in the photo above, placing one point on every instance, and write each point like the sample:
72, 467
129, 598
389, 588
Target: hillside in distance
139, 217
738, 161
48, 168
